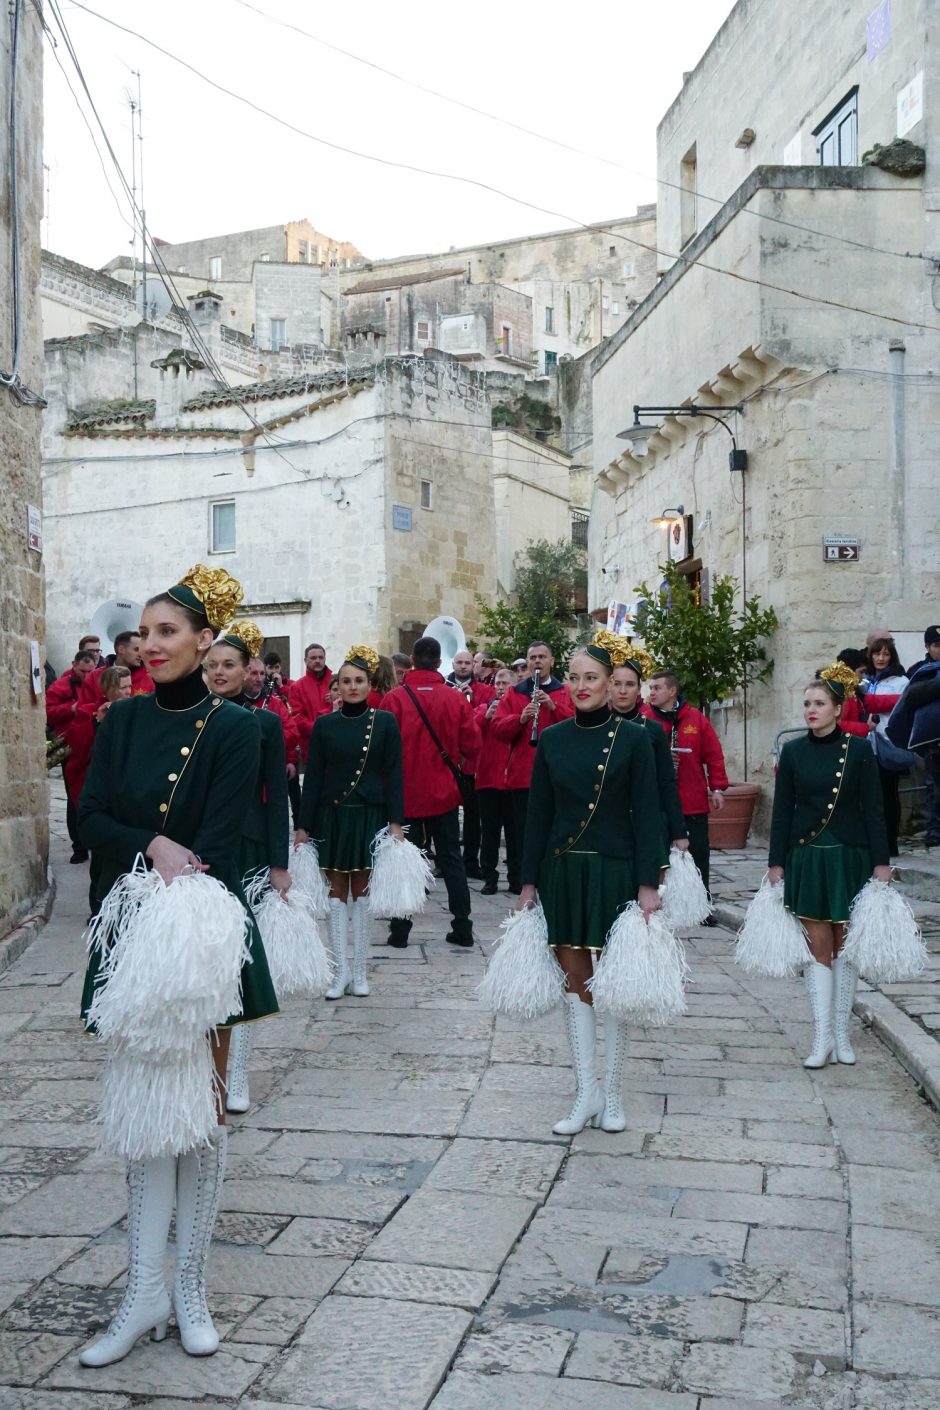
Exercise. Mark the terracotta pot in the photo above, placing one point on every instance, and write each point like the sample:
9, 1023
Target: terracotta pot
728, 829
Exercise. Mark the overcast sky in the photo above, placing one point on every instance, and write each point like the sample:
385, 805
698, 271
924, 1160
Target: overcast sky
597, 75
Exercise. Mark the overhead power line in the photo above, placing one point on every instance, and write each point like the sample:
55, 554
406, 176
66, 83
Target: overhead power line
677, 257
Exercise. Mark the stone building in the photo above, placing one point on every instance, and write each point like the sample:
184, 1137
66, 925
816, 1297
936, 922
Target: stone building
222, 257
794, 282
24, 838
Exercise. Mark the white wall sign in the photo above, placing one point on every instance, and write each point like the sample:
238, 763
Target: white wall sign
35, 670
841, 548
911, 104
34, 527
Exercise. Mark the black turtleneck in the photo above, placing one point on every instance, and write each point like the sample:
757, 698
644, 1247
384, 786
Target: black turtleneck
588, 719
352, 711
633, 714
182, 694
834, 735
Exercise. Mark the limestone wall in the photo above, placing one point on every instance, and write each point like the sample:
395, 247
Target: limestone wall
23, 792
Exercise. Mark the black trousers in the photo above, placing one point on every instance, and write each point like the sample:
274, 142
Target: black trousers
496, 817
520, 806
293, 793
471, 833
71, 823
699, 846
890, 783
444, 832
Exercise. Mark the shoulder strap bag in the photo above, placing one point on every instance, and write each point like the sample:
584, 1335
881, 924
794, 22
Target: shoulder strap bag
465, 782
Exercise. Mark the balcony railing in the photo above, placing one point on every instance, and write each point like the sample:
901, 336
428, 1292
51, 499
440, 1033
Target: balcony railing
579, 528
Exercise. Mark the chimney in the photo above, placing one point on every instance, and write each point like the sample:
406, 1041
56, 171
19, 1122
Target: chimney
176, 376
205, 310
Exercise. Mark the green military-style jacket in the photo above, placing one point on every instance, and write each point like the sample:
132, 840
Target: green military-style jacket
674, 827
354, 759
828, 790
267, 821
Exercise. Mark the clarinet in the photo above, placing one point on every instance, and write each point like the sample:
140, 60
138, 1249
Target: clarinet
536, 685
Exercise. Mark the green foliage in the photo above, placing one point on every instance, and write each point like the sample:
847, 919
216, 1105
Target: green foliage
713, 648
529, 415
550, 578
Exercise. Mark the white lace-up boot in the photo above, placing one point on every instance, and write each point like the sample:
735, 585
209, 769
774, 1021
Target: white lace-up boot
341, 976
589, 1101
819, 987
361, 930
844, 980
151, 1189
615, 1054
200, 1173
236, 1076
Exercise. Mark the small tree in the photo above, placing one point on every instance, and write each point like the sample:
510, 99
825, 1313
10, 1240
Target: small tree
550, 578
710, 646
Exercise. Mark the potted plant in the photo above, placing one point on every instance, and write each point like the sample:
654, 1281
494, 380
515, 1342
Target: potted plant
714, 649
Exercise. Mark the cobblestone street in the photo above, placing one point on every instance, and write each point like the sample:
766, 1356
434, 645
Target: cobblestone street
400, 1229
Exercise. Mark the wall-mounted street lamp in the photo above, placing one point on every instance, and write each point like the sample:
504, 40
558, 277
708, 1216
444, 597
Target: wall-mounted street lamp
669, 516
639, 435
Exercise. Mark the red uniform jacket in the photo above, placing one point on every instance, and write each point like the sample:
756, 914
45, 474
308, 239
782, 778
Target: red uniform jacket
494, 755
479, 693
288, 724
430, 787
307, 698
696, 734
508, 727
852, 720
80, 734
60, 697
91, 693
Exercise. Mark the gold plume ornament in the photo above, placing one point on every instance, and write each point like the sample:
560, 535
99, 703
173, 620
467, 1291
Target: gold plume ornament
249, 634
844, 675
616, 647
363, 656
217, 592
642, 660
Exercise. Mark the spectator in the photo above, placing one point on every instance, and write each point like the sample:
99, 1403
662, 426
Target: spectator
261, 694
884, 684
432, 796
848, 672
92, 644
126, 653
699, 761
383, 680
308, 694
518, 710
494, 799
402, 664
62, 699
932, 643
916, 724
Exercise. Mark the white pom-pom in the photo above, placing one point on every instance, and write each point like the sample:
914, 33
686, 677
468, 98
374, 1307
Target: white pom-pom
523, 978
641, 975
296, 956
883, 939
309, 879
401, 877
685, 900
171, 960
157, 1107
771, 942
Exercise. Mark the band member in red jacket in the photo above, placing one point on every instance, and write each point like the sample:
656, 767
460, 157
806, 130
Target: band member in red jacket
493, 797
699, 761
262, 692
126, 653
522, 710
432, 797
478, 693
62, 700
307, 696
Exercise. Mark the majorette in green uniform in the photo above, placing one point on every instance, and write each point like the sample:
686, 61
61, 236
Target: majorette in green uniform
352, 789
827, 838
265, 839
631, 666
589, 849
173, 776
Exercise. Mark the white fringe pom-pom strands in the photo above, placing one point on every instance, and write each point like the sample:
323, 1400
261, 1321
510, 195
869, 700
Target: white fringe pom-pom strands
883, 940
523, 978
156, 1107
170, 960
641, 975
401, 877
296, 956
771, 942
309, 880
685, 900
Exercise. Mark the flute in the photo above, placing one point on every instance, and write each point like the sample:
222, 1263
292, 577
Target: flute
536, 685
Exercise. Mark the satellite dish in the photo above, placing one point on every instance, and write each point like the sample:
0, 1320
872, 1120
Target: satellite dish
118, 614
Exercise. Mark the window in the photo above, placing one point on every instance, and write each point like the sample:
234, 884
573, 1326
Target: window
549, 320
615, 307
222, 527
612, 250
628, 269
506, 340
837, 136
278, 332
423, 333
579, 527
688, 183
605, 304
304, 251
426, 494
551, 358
215, 267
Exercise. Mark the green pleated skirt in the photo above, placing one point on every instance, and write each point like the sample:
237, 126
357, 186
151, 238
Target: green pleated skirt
582, 893
344, 833
821, 881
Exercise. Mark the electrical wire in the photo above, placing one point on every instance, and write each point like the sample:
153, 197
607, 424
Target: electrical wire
566, 146
680, 258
